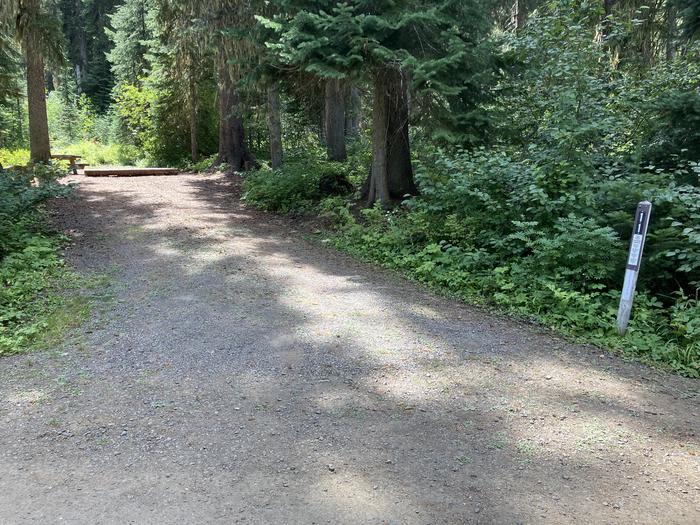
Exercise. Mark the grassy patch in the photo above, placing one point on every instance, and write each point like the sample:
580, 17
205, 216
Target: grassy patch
39, 317
40, 298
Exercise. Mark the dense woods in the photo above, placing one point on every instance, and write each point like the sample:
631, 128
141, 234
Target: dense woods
493, 148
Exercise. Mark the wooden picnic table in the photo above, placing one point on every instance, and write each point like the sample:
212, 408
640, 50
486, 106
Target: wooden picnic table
71, 159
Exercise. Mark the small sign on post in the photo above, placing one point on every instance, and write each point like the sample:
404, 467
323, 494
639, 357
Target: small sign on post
634, 261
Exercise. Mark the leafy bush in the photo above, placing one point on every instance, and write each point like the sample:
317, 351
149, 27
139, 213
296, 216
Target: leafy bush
29, 260
298, 185
154, 121
15, 157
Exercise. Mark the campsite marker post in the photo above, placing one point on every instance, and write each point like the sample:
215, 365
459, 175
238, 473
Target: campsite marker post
634, 261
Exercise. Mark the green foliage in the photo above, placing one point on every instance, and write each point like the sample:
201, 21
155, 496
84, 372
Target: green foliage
484, 230
441, 45
29, 260
18, 157
299, 184
152, 120
9, 68
134, 107
130, 33
85, 26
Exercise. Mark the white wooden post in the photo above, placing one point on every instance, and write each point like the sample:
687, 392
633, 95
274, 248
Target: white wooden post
634, 261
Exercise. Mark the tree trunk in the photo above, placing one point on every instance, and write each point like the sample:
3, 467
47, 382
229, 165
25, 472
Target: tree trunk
353, 115
391, 177
335, 121
232, 145
378, 183
36, 97
194, 146
399, 165
670, 32
605, 25
519, 14
274, 123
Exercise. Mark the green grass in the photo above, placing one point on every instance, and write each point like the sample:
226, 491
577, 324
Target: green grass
58, 302
91, 153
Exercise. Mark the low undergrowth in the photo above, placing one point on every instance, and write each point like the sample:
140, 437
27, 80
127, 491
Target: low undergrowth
38, 294
301, 184
91, 153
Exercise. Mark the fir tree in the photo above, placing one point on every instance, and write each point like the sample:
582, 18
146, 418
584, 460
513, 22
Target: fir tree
130, 35
429, 46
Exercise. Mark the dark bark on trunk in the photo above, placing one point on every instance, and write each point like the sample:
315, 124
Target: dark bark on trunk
36, 98
670, 33
274, 122
607, 11
335, 121
391, 177
194, 146
400, 169
378, 183
353, 114
232, 144
519, 14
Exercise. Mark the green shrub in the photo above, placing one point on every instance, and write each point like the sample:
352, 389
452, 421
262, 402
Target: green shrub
29, 258
16, 157
298, 185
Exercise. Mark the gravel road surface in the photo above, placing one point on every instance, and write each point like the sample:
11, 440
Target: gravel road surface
241, 374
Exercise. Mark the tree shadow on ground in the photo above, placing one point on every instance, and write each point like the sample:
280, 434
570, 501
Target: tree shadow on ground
246, 374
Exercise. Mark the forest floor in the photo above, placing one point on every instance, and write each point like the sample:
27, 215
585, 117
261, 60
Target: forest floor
241, 373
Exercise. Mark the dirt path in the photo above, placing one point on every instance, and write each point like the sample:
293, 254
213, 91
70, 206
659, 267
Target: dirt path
243, 375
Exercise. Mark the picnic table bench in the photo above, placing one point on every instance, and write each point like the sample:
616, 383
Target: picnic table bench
71, 159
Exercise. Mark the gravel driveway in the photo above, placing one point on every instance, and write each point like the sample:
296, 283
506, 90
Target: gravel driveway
244, 375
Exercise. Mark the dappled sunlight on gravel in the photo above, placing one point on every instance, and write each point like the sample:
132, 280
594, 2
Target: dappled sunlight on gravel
241, 373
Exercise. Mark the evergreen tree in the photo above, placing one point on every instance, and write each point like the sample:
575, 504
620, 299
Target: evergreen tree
10, 92
9, 68
39, 37
231, 25
129, 34
84, 24
183, 58
430, 46
689, 11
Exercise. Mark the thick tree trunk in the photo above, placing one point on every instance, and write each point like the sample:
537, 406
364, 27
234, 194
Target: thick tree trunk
192, 102
353, 114
36, 98
232, 145
274, 122
391, 177
378, 184
335, 121
400, 169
